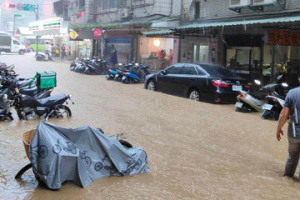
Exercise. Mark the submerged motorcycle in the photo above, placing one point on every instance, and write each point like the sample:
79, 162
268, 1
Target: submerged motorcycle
30, 108
136, 75
250, 101
43, 56
275, 101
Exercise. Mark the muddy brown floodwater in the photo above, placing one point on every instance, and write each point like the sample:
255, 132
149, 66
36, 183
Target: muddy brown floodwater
196, 150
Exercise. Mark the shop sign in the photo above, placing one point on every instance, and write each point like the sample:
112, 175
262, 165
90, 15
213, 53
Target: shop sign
49, 24
73, 35
97, 32
284, 37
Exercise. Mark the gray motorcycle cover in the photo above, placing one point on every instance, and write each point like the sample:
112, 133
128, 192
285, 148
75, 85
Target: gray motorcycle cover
82, 155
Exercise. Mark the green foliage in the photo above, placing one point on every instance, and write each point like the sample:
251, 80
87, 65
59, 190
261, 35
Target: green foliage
34, 47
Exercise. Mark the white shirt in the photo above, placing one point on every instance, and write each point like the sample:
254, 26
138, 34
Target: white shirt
48, 47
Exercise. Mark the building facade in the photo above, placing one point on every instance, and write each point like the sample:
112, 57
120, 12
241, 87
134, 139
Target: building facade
254, 38
123, 23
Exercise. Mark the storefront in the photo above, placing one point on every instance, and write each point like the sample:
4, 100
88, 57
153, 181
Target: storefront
54, 30
254, 48
124, 41
84, 43
159, 49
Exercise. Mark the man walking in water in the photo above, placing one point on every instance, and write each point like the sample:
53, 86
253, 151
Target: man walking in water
291, 109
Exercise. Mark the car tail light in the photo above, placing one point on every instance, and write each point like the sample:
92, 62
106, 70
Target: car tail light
219, 83
247, 86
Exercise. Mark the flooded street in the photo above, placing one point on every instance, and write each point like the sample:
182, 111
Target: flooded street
196, 150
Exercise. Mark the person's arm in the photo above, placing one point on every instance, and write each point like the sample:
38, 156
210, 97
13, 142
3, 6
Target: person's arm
282, 120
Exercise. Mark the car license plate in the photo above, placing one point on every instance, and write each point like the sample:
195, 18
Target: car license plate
237, 88
239, 105
123, 78
267, 107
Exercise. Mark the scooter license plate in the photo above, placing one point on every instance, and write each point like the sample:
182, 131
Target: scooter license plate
237, 88
267, 107
123, 78
239, 105
117, 75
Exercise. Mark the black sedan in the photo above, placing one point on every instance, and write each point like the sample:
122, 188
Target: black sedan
205, 82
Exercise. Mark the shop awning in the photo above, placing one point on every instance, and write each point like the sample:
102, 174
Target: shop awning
159, 33
215, 24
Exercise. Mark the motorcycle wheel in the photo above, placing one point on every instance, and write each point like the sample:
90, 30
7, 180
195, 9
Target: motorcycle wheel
10, 117
62, 111
126, 81
244, 109
21, 117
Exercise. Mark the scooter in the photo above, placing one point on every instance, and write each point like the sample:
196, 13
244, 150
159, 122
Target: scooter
275, 102
136, 75
250, 101
121, 71
11, 88
111, 73
42, 56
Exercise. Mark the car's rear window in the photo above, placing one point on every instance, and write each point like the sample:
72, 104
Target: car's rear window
217, 70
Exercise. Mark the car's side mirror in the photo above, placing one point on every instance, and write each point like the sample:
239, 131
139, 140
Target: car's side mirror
163, 72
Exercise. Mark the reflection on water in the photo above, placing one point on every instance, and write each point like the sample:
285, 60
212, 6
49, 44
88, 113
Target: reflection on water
195, 150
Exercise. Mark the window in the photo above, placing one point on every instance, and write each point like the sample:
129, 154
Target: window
107, 4
217, 70
16, 42
200, 71
175, 69
197, 10
188, 70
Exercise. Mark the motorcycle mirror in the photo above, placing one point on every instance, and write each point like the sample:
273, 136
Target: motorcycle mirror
257, 82
163, 72
284, 85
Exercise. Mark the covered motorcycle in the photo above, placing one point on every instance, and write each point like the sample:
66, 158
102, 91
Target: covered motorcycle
82, 155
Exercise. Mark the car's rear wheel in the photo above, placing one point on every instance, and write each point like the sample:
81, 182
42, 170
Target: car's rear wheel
194, 95
21, 52
151, 86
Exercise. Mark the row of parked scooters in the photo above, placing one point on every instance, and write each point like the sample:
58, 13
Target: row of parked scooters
30, 100
268, 99
130, 73
94, 66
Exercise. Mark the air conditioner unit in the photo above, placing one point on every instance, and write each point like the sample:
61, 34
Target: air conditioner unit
264, 2
239, 3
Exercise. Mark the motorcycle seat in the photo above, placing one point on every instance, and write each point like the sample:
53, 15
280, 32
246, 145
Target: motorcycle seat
29, 91
260, 96
24, 83
50, 100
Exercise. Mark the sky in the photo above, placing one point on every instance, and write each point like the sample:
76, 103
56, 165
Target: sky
6, 16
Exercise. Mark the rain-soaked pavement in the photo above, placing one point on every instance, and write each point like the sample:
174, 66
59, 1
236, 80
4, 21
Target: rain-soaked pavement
196, 150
